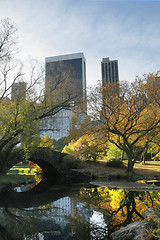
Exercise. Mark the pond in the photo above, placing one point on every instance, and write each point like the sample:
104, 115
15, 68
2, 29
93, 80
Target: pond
70, 212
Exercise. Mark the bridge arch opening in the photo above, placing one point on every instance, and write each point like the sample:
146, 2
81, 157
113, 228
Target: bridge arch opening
51, 162
24, 167
46, 167
32, 167
24, 175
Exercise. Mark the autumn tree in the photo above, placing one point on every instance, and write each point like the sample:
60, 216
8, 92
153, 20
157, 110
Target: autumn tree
126, 119
20, 114
89, 147
150, 87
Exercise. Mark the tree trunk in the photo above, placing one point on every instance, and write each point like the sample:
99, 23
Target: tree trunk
130, 162
94, 158
122, 155
143, 156
143, 159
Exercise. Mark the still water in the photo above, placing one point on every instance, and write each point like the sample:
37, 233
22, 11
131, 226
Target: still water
70, 212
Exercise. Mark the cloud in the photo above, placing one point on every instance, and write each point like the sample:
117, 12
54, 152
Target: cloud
127, 31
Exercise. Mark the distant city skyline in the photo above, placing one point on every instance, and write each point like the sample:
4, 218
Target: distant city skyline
124, 30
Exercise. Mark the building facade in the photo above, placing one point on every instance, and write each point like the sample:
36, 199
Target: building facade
110, 74
71, 70
57, 126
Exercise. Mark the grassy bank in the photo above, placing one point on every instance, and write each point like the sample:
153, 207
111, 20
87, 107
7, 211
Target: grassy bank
151, 168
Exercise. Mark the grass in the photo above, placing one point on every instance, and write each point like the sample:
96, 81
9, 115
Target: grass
149, 168
99, 168
22, 171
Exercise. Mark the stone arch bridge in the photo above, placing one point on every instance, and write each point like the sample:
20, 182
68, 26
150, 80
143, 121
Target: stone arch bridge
49, 160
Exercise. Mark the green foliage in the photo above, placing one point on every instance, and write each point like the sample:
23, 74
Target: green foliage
113, 152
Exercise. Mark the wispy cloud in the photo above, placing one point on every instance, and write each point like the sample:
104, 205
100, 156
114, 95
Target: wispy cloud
124, 30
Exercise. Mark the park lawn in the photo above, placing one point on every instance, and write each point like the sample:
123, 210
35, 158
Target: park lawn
100, 169
149, 168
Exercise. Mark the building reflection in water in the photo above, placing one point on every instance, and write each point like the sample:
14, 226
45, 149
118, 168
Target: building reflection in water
63, 215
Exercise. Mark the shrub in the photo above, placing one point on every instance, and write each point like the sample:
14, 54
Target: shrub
70, 162
114, 163
69, 148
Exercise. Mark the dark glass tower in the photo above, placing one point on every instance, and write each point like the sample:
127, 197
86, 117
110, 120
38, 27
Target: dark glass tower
110, 73
73, 65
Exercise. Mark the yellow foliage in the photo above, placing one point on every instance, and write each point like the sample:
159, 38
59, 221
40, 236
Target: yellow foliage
47, 142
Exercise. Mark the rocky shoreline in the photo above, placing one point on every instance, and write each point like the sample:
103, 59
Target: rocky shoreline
138, 230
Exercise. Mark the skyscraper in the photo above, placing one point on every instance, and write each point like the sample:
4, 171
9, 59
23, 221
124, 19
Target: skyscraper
71, 68
73, 65
110, 73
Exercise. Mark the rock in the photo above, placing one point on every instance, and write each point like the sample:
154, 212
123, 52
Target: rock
77, 176
133, 231
113, 176
153, 213
135, 178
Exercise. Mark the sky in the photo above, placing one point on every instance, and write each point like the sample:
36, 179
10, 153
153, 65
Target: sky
127, 31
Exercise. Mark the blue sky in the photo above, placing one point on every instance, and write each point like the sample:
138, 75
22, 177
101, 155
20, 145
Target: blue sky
127, 30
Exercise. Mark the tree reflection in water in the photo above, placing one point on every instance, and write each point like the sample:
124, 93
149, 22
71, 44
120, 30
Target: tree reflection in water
33, 214
119, 206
